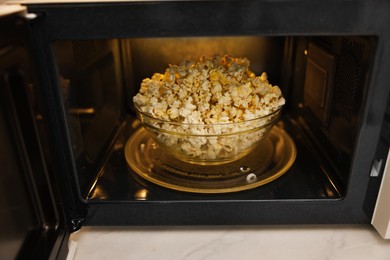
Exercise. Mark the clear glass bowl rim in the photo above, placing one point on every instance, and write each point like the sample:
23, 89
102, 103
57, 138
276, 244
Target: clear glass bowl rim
274, 117
207, 125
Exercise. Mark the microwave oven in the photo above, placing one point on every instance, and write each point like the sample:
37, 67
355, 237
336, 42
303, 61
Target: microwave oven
72, 147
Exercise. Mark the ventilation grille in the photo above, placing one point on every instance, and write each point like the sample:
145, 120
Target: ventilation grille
347, 79
83, 52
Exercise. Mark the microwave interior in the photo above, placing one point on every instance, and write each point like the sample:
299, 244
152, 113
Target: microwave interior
324, 80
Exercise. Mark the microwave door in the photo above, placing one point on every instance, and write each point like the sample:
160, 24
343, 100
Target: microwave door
32, 221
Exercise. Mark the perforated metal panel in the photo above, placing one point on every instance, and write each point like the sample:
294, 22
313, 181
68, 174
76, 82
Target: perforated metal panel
346, 92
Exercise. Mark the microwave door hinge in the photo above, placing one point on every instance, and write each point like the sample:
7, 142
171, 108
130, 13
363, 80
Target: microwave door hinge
76, 224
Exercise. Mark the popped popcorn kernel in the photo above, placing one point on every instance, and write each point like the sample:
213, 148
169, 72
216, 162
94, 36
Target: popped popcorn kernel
209, 93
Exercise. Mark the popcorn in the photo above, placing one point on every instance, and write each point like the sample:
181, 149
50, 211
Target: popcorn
210, 93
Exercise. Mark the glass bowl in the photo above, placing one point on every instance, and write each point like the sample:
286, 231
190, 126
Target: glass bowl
208, 144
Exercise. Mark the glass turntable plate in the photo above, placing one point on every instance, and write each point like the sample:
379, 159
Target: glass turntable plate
271, 159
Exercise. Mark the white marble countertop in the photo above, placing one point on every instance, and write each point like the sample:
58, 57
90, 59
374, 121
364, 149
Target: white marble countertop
265, 242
